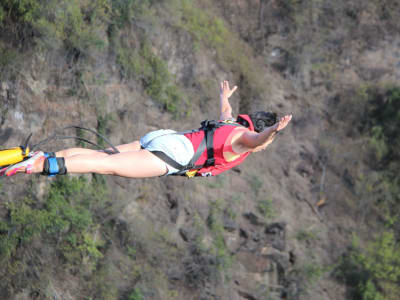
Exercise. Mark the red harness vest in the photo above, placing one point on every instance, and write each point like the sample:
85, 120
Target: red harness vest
221, 134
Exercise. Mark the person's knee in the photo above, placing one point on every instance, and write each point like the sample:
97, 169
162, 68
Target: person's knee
106, 166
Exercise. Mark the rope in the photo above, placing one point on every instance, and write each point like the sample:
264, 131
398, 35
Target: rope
57, 136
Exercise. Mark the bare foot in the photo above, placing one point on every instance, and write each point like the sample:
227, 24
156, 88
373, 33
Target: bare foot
33, 164
38, 165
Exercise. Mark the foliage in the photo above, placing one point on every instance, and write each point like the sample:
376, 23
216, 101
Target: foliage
373, 271
24, 223
255, 184
122, 11
211, 32
103, 122
304, 235
65, 217
136, 294
312, 271
2, 13
214, 222
71, 23
384, 124
216, 182
203, 27
142, 64
9, 64
265, 207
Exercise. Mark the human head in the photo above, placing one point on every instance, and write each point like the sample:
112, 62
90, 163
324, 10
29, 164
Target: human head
260, 120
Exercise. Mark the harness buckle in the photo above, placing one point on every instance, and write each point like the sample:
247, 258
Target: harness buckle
210, 162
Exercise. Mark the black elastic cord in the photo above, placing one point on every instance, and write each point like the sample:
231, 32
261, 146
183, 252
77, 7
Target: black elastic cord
56, 136
96, 133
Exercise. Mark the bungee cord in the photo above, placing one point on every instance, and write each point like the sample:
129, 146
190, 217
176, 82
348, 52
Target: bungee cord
57, 136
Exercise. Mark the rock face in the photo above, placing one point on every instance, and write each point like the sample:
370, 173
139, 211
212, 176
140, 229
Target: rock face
255, 232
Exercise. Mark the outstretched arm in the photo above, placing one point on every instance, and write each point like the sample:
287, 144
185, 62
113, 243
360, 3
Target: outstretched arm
225, 93
259, 141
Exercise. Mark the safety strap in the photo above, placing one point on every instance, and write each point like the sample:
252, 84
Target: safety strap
210, 127
196, 156
54, 166
172, 162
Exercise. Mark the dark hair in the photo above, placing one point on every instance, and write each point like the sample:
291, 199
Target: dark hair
260, 119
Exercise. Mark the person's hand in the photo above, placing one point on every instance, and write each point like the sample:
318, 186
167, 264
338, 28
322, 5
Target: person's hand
225, 91
283, 122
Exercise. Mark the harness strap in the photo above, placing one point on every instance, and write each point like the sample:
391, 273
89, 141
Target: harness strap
164, 157
182, 169
210, 149
196, 156
54, 166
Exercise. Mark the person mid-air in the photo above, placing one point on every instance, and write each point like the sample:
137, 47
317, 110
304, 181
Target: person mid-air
214, 148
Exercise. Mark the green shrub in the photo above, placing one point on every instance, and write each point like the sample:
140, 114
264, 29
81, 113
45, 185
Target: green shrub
372, 272
220, 250
380, 124
23, 10
103, 123
23, 225
122, 12
142, 64
136, 294
73, 24
265, 207
304, 235
255, 184
383, 123
211, 32
378, 143
216, 182
65, 217
9, 62
312, 271
2, 14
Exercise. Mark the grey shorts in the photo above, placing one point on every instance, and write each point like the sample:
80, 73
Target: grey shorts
176, 146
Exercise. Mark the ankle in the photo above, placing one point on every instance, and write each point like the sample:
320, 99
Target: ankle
38, 165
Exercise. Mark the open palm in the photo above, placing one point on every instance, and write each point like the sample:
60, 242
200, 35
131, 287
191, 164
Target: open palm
283, 122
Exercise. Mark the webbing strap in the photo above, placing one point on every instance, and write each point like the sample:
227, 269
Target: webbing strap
49, 154
164, 157
53, 166
196, 156
210, 147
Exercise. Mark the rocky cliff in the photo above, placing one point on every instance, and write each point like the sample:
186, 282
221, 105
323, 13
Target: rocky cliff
275, 227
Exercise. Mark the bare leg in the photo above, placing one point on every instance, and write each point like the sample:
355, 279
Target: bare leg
133, 164
134, 146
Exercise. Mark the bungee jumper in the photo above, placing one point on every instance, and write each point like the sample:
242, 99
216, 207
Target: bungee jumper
215, 147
